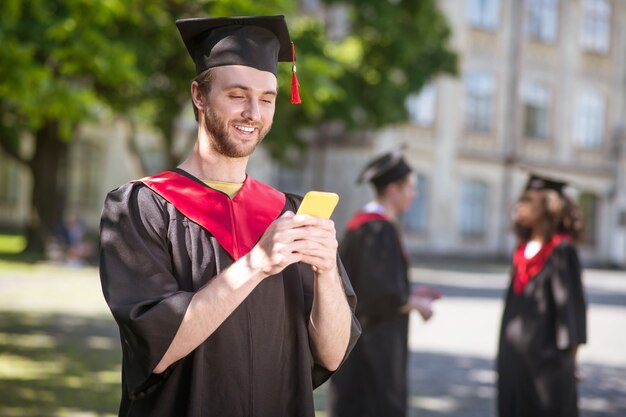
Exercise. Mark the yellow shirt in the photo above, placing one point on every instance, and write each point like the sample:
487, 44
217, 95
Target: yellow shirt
229, 188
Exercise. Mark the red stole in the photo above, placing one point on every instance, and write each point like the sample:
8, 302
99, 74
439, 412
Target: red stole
361, 217
525, 269
236, 224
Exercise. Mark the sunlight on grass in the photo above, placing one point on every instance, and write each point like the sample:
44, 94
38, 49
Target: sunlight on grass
99, 342
27, 340
109, 377
70, 412
19, 367
12, 244
14, 412
71, 381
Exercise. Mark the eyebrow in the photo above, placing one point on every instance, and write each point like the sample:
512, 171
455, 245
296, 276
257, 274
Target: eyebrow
246, 88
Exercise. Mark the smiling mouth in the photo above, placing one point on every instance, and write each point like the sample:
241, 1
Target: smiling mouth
245, 129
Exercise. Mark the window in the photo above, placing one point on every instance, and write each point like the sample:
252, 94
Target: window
483, 14
537, 103
474, 203
479, 101
589, 122
421, 107
84, 175
415, 218
589, 207
542, 20
595, 32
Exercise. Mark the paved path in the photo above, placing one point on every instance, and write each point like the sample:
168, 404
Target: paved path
452, 362
452, 356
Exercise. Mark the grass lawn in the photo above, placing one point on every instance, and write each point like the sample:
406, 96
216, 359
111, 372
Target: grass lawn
12, 244
59, 346
11, 247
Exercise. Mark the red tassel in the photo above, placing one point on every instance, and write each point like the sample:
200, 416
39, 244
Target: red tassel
295, 92
295, 87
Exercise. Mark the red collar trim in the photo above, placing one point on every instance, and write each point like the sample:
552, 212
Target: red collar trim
527, 269
361, 217
237, 224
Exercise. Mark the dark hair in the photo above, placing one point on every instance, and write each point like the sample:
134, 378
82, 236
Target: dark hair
204, 80
565, 218
380, 189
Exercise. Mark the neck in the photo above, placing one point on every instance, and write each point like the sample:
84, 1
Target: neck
207, 164
390, 209
538, 234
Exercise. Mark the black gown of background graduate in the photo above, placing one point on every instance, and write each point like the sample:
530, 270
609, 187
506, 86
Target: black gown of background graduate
153, 259
541, 323
373, 380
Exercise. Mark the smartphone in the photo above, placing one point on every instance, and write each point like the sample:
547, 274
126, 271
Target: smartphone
318, 204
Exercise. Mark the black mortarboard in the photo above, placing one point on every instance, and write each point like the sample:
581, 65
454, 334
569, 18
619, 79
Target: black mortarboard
537, 182
254, 41
385, 169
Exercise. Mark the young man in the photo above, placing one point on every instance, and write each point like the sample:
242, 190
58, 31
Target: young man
373, 381
228, 304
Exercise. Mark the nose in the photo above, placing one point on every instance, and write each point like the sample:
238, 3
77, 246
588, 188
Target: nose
251, 111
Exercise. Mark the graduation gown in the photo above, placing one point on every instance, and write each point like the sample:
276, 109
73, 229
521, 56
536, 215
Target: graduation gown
542, 321
373, 380
155, 256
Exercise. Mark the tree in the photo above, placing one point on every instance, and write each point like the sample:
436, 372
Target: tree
361, 81
64, 62
60, 62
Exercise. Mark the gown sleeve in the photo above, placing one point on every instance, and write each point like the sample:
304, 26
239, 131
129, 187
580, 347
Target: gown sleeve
137, 281
569, 298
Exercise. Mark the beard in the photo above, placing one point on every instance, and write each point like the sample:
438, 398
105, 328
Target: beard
221, 140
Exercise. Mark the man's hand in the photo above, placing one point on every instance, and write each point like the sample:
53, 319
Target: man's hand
421, 299
319, 245
291, 239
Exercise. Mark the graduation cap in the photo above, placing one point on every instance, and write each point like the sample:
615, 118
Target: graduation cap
254, 41
537, 182
385, 169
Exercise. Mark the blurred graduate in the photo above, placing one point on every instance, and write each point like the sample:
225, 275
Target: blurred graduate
544, 319
373, 380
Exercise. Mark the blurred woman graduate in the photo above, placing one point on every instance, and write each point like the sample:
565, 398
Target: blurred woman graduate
544, 318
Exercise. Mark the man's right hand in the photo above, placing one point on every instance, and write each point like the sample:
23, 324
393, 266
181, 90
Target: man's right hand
279, 246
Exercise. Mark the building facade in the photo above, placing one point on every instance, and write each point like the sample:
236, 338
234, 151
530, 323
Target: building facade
541, 88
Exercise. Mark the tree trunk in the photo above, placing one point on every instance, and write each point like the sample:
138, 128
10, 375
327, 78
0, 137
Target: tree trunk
49, 169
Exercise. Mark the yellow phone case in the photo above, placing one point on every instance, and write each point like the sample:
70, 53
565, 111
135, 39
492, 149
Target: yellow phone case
318, 204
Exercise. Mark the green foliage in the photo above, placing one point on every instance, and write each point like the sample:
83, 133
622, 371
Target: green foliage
393, 49
72, 60
58, 55
361, 82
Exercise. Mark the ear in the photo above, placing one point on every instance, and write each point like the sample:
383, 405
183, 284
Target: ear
197, 97
391, 189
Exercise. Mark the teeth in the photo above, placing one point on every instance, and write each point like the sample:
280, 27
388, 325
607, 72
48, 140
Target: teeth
245, 129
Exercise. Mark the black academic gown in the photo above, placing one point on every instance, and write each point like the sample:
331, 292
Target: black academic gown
536, 369
373, 380
257, 363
